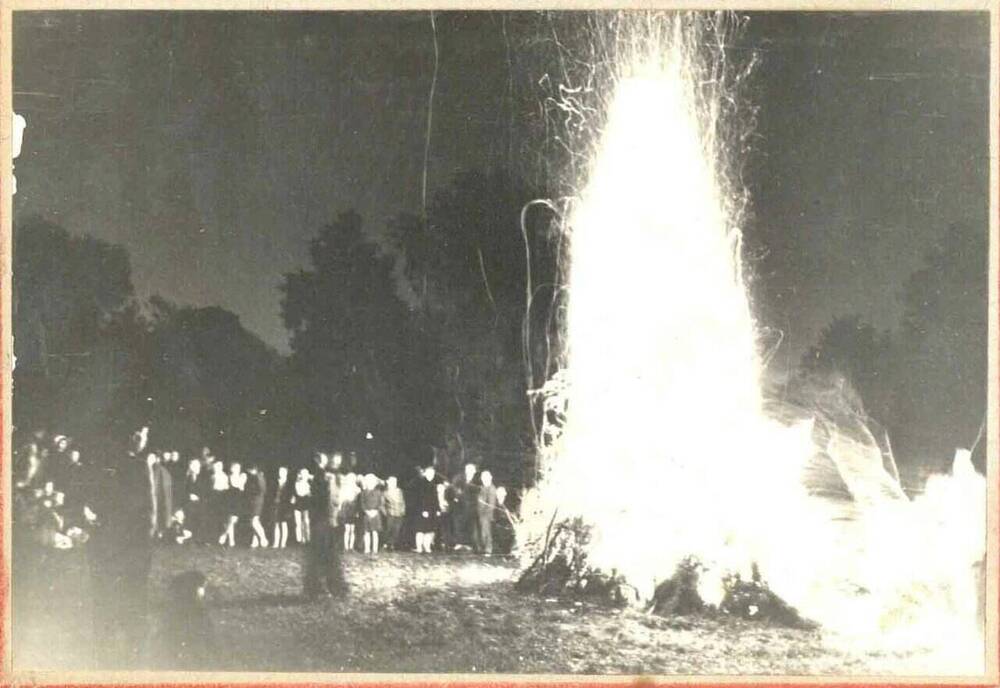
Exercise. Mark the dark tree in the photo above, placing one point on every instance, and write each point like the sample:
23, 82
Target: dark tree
925, 382
92, 360
358, 362
465, 271
70, 293
210, 381
943, 374
862, 355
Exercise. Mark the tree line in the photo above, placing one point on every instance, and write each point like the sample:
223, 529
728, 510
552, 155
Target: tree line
407, 341
415, 341
925, 381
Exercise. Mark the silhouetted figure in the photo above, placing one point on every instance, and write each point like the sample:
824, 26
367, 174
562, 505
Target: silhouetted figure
324, 569
394, 505
163, 488
218, 503
236, 504
301, 500
194, 501
462, 503
486, 506
281, 508
122, 554
370, 503
347, 501
256, 494
79, 487
428, 510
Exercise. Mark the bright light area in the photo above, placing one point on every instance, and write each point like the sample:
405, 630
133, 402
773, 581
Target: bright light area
667, 451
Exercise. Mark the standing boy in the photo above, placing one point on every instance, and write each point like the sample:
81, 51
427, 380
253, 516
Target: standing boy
485, 508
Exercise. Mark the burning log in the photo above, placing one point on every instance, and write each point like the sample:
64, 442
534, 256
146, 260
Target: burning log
562, 569
678, 595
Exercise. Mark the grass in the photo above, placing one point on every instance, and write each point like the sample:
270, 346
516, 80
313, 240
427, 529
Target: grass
427, 613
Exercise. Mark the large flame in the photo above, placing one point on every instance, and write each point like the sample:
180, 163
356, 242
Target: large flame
667, 450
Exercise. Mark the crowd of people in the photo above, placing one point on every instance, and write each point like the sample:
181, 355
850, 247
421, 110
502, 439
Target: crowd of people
119, 509
205, 500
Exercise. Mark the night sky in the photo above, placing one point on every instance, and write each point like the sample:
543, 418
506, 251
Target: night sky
214, 145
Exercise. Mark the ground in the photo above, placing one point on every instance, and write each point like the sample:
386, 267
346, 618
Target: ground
431, 613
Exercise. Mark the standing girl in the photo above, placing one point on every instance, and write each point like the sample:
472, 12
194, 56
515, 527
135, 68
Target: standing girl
371, 513
428, 510
281, 508
236, 503
256, 492
220, 496
300, 502
349, 509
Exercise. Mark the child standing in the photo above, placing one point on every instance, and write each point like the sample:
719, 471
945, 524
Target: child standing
394, 508
485, 509
301, 505
371, 513
236, 503
220, 497
281, 508
256, 492
349, 509
503, 526
428, 510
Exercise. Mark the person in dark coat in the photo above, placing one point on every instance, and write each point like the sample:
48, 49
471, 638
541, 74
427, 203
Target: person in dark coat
256, 493
194, 501
394, 508
281, 508
172, 462
463, 493
163, 489
371, 506
428, 509
503, 526
485, 510
121, 549
236, 503
324, 568
57, 460
78, 487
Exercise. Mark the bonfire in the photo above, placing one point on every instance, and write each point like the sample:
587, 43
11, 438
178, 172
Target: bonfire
669, 479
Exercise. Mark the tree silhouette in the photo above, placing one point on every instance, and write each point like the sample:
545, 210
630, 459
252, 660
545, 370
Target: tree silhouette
92, 359
67, 292
944, 344
210, 381
464, 271
925, 382
855, 350
357, 357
